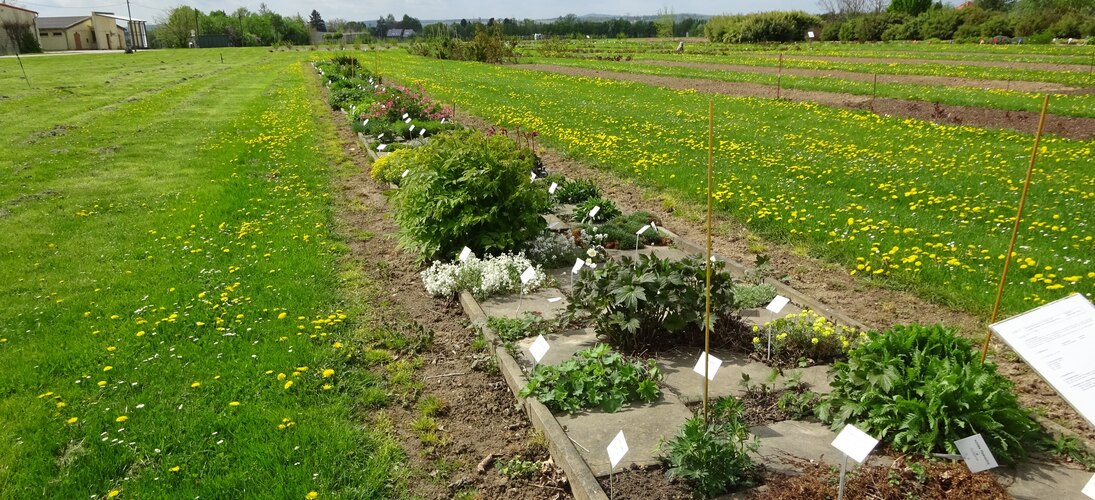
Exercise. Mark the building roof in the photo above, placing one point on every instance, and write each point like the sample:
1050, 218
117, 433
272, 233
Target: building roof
119, 18
56, 23
17, 8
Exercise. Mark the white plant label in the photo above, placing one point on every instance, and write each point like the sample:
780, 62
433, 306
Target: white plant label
713, 259
553, 187
654, 227
381, 136
539, 348
855, 443
366, 122
406, 115
1089, 490
555, 299
593, 212
776, 305
532, 176
713, 365
810, 34
976, 453
405, 172
408, 120
411, 129
421, 132
1057, 340
642, 229
617, 449
528, 275
464, 254
381, 147
578, 265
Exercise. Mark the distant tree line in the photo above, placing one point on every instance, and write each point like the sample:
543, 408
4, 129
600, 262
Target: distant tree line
1035, 21
571, 26
242, 27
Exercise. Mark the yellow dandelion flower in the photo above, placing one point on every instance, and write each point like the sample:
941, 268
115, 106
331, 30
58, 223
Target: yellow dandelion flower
107, 368
327, 387
288, 384
174, 469
101, 383
328, 372
121, 419
234, 403
281, 316
72, 420
196, 384
281, 376
112, 494
311, 495
337, 345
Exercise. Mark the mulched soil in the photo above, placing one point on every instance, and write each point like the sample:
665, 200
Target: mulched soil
896, 482
480, 417
642, 483
1022, 121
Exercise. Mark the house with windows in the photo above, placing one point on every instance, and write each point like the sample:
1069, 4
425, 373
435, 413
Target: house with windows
18, 29
99, 31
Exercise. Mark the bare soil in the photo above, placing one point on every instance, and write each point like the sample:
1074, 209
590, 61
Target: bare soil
480, 417
1022, 121
939, 81
896, 482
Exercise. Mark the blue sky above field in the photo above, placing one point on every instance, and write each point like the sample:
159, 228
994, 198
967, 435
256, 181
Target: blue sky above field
351, 10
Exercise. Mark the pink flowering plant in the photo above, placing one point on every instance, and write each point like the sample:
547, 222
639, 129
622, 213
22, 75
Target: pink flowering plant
390, 103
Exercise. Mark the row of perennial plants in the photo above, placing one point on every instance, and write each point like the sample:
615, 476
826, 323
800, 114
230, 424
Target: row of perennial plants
803, 339
920, 388
594, 377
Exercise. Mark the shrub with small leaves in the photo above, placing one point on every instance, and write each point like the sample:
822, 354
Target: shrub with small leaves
552, 250
594, 377
466, 189
620, 232
750, 296
920, 388
714, 457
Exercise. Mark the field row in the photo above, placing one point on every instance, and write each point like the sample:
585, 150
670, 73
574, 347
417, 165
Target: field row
1080, 105
908, 203
904, 51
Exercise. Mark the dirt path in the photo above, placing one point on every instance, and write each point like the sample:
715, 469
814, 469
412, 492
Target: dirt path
1022, 121
478, 416
939, 81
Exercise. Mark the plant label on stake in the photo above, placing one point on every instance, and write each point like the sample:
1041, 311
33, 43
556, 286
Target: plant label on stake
421, 132
976, 453
553, 187
406, 115
366, 122
777, 304
853, 443
408, 120
578, 265
539, 348
617, 449
1089, 490
713, 365
638, 234
405, 172
593, 212
381, 147
528, 275
464, 254
532, 176
411, 129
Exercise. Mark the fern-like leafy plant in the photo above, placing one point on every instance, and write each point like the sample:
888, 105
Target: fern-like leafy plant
653, 302
920, 388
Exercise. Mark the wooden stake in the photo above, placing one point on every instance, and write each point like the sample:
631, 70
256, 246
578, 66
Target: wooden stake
707, 292
20, 59
779, 76
874, 92
1015, 228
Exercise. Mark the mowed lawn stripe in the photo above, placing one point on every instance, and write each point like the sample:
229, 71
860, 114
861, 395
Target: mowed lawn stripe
173, 322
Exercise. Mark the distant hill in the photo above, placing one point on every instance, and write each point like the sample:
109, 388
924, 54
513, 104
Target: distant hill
586, 17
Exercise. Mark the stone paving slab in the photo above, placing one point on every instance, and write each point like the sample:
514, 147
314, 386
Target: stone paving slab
513, 306
688, 385
644, 426
665, 252
563, 347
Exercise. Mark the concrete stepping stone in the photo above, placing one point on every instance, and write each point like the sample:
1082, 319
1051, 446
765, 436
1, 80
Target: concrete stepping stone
688, 385
563, 347
645, 428
513, 306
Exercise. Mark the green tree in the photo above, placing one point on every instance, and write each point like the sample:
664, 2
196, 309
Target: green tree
176, 28
316, 21
910, 7
665, 23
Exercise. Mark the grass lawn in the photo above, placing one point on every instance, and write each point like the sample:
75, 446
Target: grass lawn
908, 204
174, 317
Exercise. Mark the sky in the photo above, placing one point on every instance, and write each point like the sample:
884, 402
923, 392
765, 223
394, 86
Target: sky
351, 10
